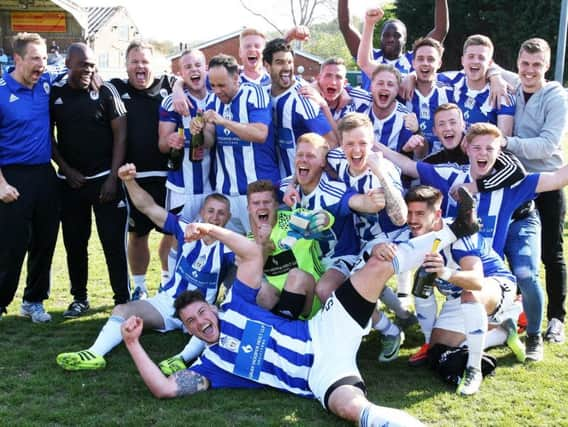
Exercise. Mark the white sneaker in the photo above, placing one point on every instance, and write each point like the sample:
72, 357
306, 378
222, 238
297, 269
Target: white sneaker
470, 382
555, 331
35, 311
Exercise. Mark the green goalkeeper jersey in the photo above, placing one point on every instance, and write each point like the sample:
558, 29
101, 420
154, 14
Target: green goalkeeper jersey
305, 255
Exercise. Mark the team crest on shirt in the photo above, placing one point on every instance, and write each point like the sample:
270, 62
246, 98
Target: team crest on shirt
94, 95
226, 131
163, 92
199, 262
227, 114
46, 87
228, 342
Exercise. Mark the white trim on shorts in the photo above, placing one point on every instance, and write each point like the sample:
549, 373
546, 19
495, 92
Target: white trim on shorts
336, 338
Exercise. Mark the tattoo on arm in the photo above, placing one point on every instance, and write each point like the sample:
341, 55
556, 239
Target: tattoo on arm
394, 202
190, 382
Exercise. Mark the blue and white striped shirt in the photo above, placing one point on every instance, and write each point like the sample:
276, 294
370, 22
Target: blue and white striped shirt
192, 177
239, 162
403, 64
333, 196
257, 347
368, 226
295, 115
199, 266
424, 107
390, 131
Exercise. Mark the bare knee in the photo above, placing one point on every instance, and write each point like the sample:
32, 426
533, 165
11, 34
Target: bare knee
347, 402
299, 282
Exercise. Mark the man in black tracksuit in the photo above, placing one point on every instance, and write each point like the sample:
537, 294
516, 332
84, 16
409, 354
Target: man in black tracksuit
90, 147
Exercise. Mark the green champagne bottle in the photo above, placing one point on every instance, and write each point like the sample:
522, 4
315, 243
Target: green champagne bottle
197, 142
423, 285
175, 158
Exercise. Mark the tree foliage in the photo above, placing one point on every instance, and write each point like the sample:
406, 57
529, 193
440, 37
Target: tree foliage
508, 23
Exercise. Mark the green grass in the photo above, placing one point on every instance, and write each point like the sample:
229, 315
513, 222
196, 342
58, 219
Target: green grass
35, 391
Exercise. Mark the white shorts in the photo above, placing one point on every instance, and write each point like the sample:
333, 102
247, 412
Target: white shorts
165, 306
451, 315
336, 338
174, 199
344, 264
192, 206
239, 222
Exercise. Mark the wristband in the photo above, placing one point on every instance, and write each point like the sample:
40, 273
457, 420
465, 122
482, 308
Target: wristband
447, 273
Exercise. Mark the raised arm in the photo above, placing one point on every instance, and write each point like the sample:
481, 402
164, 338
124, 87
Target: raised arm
552, 181
394, 202
140, 198
179, 384
350, 34
406, 165
249, 253
441, 21
364, 59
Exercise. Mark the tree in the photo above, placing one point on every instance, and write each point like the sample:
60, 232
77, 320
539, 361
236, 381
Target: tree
494, 18
302, 12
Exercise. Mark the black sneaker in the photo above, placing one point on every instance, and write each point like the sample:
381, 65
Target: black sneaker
534, 348
466, 222
76, 309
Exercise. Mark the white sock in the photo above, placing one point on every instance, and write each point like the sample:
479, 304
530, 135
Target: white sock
495, 337
426, 311
410, 254
389, 298
172, 258
385, 326
139, 281
404, 283
192, 350
109, 336
375, 416
165, 277
475, 320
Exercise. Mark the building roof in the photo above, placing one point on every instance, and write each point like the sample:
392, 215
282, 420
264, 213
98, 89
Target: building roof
99, 16
218, 40
228, 36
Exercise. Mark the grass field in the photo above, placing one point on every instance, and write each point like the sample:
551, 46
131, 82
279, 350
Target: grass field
35, 391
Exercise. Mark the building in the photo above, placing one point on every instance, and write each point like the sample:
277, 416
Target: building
107, 30
307, 65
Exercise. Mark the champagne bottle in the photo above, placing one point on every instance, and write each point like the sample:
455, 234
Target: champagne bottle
423, 285
176, 154
197, 142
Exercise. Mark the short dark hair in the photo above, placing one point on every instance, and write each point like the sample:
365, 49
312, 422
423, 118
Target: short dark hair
427, 194
273, 46
428, 41
227, 61
261, 186
186, 298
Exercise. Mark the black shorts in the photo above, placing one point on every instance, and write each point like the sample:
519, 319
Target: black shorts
138, 222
